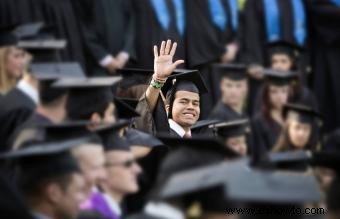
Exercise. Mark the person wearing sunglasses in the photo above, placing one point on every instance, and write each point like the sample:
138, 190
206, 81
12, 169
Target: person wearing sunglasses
122, 173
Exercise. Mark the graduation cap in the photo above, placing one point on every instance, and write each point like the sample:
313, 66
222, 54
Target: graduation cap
198, 143
245, 184
43, 160
7, 37
232, 71
231, 129
291, 160
302, 113
284, 47
134, 76
87, 95
111, 138
279, 78
204, 124
185, 80
55, 132
139, 138
28, 30
47, 73
124, 110
130, 101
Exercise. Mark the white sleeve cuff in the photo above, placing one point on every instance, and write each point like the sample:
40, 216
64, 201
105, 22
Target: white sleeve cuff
106, 61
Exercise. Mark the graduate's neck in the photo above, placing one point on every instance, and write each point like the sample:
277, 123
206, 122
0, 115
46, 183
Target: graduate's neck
276, 114
236, 107
42, 208
117, 196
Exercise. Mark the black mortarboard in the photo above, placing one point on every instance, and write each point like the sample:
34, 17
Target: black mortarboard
186, 80
131, 102
44, 160
7, 37
28, 30
279, 78
245, 184
232, 128
198, 143
291, 160
204, 124
124, 110
47, 73
87, 95
284, 47
56, 70
134, 76
232, 71
111, 138
299, 112
139, 138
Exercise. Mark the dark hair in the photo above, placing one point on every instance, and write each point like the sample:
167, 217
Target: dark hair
284, 143
48, 95
81, 104
32, 187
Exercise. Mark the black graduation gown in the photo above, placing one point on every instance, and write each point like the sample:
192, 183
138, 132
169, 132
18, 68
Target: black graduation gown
60, 15
265, 132
225, 113
143, 216
149, 32
107, 28
16, 108
325, 61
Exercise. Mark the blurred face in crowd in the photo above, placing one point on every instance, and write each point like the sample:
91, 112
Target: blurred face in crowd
299, 133
109, 115
91, 161
15, 62
67, 198
281, 62
233, 91
122, 173
238, 144
278, 96
186, 108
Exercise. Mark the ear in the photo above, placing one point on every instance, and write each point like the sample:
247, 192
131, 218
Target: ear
95, 118
53, 193
167, 108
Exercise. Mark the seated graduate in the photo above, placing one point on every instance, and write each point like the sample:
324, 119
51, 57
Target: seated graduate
284, 56
234, 134
300, 130
234, 90
182, 89
267, 123
12, 60
49, 178
121, 170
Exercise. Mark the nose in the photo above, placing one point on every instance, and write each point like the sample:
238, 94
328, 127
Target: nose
136, 168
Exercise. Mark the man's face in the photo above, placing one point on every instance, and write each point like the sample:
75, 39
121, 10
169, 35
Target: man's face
91, 160
186, 108
281, 62
67, 206
233, 91
122, 172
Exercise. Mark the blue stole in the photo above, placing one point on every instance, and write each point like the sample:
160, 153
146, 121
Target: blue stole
163, 14
218, 14
336, 2
273, 24
180, 15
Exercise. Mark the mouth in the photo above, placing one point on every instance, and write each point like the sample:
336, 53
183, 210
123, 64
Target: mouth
190, 115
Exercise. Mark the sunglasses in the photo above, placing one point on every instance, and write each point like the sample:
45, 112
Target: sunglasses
125, 164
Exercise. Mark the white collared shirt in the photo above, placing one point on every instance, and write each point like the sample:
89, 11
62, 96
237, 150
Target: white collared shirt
163, 210
29, 90
113, 205
177, 128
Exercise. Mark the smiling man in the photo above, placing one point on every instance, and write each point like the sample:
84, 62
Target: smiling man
182, 89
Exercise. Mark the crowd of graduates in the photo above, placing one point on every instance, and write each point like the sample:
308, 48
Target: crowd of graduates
169, 109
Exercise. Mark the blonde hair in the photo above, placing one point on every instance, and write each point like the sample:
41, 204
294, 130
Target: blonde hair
6, 81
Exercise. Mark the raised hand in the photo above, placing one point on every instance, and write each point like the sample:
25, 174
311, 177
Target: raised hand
163, 63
